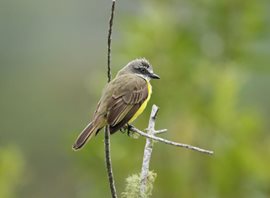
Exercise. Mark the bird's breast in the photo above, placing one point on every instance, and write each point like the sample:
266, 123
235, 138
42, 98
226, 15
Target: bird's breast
144, 104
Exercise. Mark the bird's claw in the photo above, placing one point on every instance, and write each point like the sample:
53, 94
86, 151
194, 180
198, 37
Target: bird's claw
129, 131
127, 128
123, 129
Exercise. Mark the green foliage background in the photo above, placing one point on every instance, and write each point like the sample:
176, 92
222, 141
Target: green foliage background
213, 59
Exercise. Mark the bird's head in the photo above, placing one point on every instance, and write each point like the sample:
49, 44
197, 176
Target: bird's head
139, 67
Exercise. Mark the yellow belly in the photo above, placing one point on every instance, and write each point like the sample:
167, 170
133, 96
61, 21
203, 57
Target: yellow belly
142, 107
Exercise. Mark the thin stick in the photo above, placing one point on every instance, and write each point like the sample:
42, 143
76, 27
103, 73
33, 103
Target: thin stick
109, 41
148, 151
109, 162
187, 146
107, 130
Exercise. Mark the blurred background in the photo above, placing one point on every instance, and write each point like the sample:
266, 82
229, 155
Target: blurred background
213, 58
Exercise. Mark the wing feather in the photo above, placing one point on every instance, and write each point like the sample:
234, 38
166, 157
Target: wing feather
125, 103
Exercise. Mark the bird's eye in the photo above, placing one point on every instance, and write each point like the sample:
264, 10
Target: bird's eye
142, 69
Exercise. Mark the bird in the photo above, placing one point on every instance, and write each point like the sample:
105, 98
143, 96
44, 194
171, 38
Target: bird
122, 101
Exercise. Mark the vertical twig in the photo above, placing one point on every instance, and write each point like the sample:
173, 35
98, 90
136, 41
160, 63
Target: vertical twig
109, 41
107, 130
148, 151
109, 162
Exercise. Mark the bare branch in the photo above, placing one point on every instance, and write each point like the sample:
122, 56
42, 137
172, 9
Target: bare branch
161, 131
109, 41
109, 162
150, 138
148, 151
107, 131
187, 146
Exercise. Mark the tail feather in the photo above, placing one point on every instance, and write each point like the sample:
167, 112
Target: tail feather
85, 135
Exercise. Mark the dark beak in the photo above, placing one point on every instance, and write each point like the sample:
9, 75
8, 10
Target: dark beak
154, 76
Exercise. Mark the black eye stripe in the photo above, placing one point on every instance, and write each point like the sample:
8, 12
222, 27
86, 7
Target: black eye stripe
143, 69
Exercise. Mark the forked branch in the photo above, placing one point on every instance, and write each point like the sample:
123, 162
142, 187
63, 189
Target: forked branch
150, 138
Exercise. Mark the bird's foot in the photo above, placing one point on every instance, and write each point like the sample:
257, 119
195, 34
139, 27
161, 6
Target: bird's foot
127, 128
129, 131
123, 129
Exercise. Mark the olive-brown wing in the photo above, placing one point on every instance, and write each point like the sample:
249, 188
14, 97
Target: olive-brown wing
123, 106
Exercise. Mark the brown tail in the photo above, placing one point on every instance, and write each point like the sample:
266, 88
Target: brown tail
85, 135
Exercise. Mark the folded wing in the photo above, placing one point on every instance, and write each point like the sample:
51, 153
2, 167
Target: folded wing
124, 104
